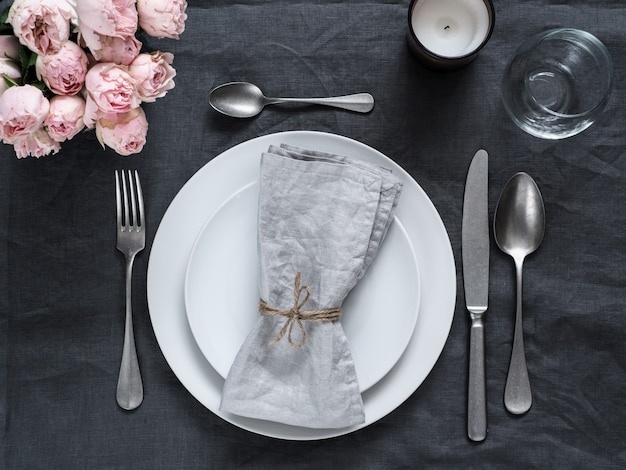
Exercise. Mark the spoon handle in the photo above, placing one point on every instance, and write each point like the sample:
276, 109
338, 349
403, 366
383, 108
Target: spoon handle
360, 102
517, 393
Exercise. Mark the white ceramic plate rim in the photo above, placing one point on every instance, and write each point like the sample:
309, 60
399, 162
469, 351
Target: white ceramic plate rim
378, 317
186, 216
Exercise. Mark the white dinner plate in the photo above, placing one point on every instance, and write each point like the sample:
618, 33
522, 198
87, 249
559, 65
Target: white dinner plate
221, 290
202, 196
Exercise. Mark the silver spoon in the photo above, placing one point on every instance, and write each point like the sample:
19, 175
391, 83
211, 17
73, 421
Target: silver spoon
242, 100
519, 225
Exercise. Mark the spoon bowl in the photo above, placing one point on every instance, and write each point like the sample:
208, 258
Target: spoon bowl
519, 223
244, 100
519, 226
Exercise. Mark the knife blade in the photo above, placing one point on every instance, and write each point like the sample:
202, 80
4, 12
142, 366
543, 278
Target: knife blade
475, 250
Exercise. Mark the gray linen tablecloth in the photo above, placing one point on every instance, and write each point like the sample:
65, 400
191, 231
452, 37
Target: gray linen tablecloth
61, 310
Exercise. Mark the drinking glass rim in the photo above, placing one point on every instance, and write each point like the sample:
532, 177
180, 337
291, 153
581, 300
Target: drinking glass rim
547, 34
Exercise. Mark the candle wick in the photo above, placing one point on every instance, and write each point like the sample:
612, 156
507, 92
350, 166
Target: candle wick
447, 27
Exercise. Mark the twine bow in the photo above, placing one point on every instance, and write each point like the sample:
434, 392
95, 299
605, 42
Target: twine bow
295, 315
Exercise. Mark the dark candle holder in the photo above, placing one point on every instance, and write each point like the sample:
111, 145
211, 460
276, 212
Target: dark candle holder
438, 61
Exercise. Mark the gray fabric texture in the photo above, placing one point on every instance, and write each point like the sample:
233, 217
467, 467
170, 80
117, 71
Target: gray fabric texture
62, 286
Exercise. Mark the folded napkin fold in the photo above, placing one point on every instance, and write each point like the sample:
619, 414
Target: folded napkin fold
321, 220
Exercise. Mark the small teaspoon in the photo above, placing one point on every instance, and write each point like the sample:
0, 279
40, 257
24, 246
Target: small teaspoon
243, 100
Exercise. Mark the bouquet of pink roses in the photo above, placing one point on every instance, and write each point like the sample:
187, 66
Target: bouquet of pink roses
66, 65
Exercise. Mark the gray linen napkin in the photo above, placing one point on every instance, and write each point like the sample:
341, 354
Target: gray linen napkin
323, 216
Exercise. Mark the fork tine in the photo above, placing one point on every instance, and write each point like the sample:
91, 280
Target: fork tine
126, 213
118, 199
132, 214
139, 201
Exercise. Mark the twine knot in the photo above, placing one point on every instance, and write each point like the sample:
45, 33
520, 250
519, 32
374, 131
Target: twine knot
295, 315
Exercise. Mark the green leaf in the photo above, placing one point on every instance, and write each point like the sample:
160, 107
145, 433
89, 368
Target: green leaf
9, 81
27, 63
40, 85
5, 15
5, 27
24, 58
32, 59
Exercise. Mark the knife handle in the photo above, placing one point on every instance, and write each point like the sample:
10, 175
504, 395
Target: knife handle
476, 392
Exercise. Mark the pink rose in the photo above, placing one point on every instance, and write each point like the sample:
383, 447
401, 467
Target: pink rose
111, 88
36, 144
22, 111
41, 25
11, 69
119, 50
65, 118
92, 113
162, 18
9, 47
154, 74
126, 134
64, 71
116, 18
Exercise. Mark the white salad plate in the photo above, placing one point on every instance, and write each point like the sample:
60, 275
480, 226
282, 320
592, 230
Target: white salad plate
221, 291
205, 206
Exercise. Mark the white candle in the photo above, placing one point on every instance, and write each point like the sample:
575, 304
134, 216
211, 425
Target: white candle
450, 28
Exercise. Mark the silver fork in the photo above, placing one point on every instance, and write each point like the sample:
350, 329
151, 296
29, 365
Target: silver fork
131, 239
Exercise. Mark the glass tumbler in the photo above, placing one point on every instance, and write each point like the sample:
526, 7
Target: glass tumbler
558, 83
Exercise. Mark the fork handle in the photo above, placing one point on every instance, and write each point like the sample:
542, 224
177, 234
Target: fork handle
129, 385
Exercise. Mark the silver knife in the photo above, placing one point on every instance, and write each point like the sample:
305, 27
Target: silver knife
475, 249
